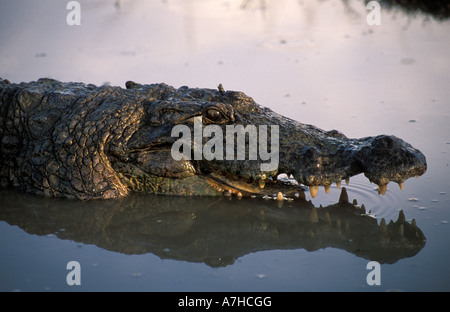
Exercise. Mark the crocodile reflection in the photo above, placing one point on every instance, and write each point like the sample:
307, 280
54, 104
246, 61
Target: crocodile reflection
214, 231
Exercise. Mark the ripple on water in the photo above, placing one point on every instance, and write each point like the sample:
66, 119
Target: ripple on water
382, 206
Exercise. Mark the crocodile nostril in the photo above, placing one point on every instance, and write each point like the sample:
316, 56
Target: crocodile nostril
384, 142
310, 152
388, 142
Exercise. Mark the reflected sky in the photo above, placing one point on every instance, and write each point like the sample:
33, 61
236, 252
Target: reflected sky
283, 53
318, 62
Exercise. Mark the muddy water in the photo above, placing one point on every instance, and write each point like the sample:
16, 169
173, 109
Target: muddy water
317, 62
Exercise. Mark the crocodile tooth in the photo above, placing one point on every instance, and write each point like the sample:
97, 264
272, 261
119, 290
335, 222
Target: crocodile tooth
414, 226
401, 217
338, 185
280, 196
401, 185
343, 198
327, 218
382, 189
313, 190
327, 188
313, 216
347, 181
383, 227
239, 194
363, 209
401, 230
262, 183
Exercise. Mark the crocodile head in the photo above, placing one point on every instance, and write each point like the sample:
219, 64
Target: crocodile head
210, 142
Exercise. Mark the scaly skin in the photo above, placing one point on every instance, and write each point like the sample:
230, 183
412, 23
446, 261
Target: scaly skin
73, 140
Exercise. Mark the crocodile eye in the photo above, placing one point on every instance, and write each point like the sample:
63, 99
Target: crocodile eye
213, 114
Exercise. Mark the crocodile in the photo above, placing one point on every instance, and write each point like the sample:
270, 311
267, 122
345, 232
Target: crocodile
82, 141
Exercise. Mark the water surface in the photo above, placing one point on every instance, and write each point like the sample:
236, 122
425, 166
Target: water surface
317, 62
